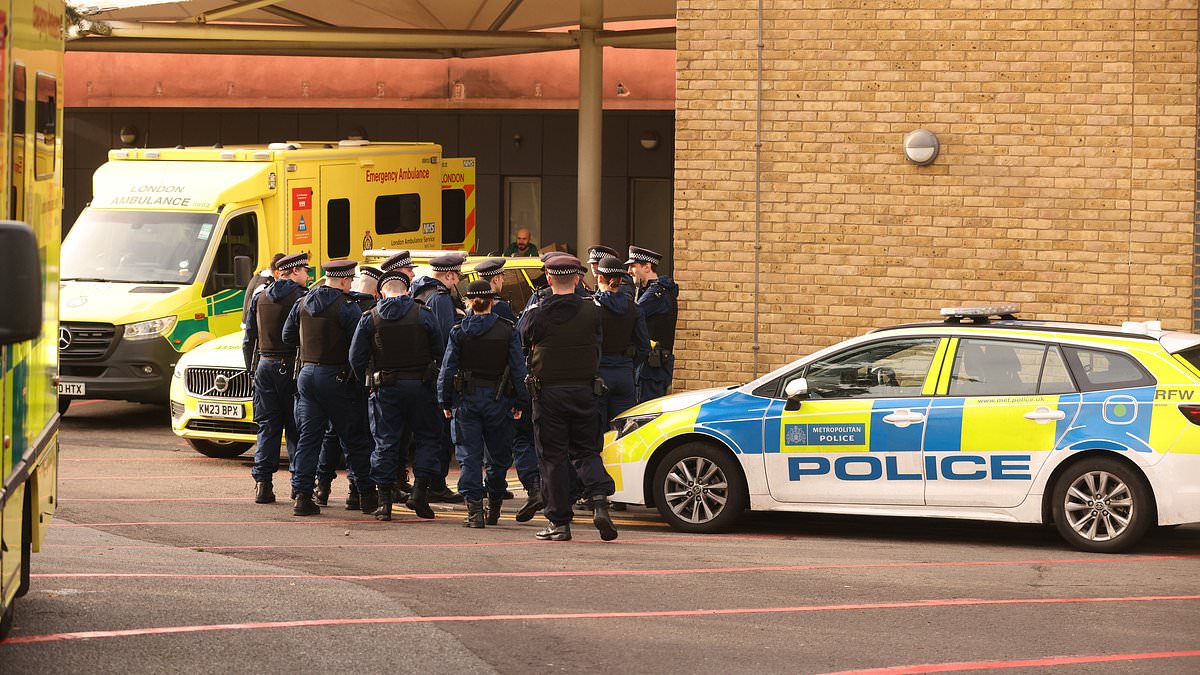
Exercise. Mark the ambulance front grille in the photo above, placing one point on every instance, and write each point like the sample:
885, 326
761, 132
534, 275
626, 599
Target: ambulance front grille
218, 382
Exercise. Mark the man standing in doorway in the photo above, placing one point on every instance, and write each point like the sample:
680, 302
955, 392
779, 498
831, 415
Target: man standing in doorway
521, 247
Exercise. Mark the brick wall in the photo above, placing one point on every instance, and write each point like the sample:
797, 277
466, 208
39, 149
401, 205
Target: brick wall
1066, 181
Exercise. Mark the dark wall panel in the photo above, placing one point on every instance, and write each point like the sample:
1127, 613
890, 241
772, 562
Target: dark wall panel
521, 145
615, 155
479, 136
614, 213
560, 145
441, 129
559, 209
200, 127
656, 163
488, 204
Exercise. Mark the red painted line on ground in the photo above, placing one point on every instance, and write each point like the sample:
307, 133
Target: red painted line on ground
484, 544
75, 500
88, 401
597, 573
143, 459
318, 521
126, 478
912, 604
1026, 663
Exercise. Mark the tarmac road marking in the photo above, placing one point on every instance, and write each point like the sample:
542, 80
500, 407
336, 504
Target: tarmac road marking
483, 544
311, 623
125, 478
318, 521
1025, 663
607, 572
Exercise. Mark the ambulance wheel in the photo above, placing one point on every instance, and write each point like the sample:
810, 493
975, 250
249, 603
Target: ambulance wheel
220, 449
1101, 505
699, 488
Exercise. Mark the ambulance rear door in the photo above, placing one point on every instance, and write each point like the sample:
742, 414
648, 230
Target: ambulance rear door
458, 204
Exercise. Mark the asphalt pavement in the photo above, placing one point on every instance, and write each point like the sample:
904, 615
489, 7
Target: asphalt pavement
159, 561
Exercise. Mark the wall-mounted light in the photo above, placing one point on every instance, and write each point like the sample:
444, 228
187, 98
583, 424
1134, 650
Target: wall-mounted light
921, 147
649, 140
129, 135
517, 141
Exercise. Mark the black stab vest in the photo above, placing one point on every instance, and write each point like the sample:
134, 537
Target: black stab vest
568, 351
485, 356
618, 331
401, 344
270, 315
322, 338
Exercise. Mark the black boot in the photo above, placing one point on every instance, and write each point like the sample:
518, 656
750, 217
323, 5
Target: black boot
493, 509
554, 532
417, 501
305, 506
402, 485
443, 493
533, 503
321, 494
352, 501
474, 514
368, 500
384, 512
263, 492
602, 519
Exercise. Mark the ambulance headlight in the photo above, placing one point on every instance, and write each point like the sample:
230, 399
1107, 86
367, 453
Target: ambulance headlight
144, 330
627, 425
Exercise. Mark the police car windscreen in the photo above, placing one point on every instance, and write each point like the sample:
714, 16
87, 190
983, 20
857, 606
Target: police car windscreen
137, 246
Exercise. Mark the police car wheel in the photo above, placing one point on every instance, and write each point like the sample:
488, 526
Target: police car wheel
220, 449
1102, 506
699, 488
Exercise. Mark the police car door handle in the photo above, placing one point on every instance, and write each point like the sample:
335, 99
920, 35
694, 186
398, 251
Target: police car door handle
1044, 415
903, 418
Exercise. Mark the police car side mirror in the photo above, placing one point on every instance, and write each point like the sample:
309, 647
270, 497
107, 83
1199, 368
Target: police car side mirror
21, 305
243, 269
796, 391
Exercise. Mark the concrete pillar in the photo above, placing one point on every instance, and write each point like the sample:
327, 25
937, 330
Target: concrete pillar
591, 120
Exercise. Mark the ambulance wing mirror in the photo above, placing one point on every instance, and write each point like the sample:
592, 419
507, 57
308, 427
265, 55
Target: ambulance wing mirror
21, 304
243, 269
796, 390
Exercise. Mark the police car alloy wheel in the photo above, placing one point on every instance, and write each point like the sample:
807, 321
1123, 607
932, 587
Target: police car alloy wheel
220, 449
699, 488
1102, 506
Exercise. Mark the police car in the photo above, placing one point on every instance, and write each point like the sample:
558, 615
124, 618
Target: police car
981, 416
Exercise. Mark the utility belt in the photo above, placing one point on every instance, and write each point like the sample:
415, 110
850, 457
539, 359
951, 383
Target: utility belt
384, 378
536, 385
658, 357
466, 382
629, 352
276, 356
342, 376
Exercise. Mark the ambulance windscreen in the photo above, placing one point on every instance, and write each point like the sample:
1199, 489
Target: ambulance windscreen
147, 247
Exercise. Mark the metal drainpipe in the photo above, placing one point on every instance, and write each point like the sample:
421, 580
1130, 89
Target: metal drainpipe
758, 185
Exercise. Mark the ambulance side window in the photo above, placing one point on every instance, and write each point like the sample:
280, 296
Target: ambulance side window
337, 226
395, 214
45, 126
889, 369
240, 239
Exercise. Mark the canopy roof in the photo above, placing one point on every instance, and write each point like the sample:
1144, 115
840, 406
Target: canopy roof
401, 28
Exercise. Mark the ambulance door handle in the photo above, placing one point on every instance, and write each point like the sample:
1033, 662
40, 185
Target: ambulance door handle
1044, 415
903, 418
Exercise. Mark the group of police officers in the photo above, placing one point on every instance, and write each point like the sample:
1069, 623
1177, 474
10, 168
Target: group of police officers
360, 365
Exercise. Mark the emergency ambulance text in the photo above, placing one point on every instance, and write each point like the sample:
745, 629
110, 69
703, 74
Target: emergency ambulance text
396, 176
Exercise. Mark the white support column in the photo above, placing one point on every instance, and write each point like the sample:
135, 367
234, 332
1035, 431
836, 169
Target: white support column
591, 120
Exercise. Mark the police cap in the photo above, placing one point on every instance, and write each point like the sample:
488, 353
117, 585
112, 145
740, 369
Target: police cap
610, 266
490, 267
339, 269
637, 254
373, 272
597, 253
394, 275
562, 265
290, 262
480, 289
451, 262
397, 260
552, 254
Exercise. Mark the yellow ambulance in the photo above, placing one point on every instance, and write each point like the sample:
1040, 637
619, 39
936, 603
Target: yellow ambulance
158, 263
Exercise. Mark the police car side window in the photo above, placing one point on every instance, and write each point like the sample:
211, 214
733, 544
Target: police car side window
996, 368
1056, 379
888, 369
1098, 370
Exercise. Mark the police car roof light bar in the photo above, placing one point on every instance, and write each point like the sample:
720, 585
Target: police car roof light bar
980, 314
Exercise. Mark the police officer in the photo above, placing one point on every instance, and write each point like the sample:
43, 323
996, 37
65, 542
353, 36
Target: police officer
492, 271
257, 284
658, 298
274, 386
396, 350
434, 292
482, 389
322, 325
364, 293
401, 261
563, 336
596, 254
626, 342
544, 291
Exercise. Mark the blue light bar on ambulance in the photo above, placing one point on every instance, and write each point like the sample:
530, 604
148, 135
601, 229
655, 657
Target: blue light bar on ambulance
979, 314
